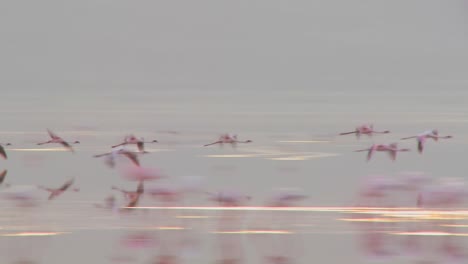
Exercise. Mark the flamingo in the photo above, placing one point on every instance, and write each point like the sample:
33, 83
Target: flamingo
58, 191
392, 149
365, 130
421, 138
227, 139
111, 156
131, 139
57, 139
129, 195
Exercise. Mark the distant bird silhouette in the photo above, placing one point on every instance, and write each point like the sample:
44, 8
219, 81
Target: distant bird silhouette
57, 139
131, 139
227, 139
58, 191
365, 130
421, 138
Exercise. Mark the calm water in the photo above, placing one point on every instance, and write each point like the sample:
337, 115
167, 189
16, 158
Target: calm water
288, 75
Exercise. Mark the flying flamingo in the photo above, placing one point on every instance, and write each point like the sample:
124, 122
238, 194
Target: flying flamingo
129, 195
131, 139
58, 191
228, 139
421, 138
111, 156
57, 139
365, 130
392, 149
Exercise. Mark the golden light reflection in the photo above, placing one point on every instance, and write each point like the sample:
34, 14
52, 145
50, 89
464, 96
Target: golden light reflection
279, 232
378, 220
427, 233
307, 157
31, 234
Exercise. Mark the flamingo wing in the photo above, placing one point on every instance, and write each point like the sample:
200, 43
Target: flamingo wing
141, 146
392, 153
2, 176
370, 152
421, 144
217, 142
53, 135
134, 201
66, 185
67, 146
132, 156
3, 152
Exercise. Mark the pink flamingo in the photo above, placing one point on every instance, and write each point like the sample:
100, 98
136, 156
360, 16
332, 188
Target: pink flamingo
131, 139
130, 194
57, 139
421, 138
365, 130
58, 191
111, 156
392, 149
227, 139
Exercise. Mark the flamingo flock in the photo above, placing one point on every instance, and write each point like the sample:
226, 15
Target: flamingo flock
392, 148
374, 192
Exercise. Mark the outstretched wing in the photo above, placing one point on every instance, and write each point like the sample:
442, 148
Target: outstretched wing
392, 154
3, 175
370, 152
421, 144
66, 185
132, 156
3, 152
216, 142
141, 146
67, 146
52, 134
134, 201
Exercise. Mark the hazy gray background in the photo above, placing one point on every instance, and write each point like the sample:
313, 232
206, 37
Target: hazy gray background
268, 70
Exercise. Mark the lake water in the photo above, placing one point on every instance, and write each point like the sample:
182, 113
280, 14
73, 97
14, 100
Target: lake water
288, 75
